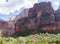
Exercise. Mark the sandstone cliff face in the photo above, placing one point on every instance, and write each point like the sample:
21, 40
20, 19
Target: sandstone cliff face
57, 20
40, 17
3, 27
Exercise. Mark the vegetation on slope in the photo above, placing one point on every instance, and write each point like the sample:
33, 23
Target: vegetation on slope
32, 39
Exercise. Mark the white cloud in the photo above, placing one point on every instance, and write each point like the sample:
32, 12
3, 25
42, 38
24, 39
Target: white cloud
30, 3
56, 5
13, 17
12, 5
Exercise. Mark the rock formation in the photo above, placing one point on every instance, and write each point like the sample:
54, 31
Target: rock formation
40, 17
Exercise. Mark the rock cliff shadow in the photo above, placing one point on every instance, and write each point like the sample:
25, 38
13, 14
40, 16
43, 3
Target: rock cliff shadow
31, 32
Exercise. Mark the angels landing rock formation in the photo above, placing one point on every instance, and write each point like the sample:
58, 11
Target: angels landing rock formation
40, 18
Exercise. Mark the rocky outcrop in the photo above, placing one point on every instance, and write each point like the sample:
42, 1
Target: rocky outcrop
40, 17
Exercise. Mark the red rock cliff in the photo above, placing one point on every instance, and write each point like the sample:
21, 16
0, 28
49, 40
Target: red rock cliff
40, 17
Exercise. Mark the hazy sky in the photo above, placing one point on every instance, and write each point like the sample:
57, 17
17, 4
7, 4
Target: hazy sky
8, 8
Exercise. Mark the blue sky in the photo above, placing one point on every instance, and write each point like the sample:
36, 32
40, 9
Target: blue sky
9, 8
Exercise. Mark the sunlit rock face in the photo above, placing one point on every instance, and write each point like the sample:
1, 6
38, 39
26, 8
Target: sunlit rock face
24, 13
40, 17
